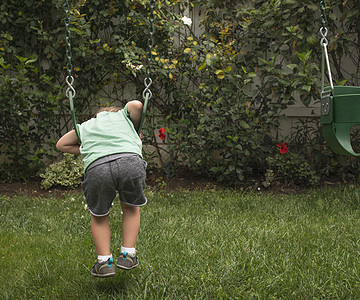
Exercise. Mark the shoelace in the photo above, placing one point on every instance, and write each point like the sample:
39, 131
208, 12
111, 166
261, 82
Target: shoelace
110, 261
124, 255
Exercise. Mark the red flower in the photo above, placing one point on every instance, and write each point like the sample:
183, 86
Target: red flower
162, 135
283, 148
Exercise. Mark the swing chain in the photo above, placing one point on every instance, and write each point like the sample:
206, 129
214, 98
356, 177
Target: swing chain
148, 81
323, 29
69, 78
323, 15
325, 62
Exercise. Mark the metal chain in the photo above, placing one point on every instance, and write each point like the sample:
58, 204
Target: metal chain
323, 29
148, 80
70, 91
325, 62
69, 78
323, 15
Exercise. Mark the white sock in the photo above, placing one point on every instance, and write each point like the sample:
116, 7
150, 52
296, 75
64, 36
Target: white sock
103, 258
131, 251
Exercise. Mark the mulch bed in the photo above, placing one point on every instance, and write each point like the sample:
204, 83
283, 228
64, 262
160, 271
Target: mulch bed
183, 180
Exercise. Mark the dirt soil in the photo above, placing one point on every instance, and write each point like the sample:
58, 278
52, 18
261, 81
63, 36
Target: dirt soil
183, 180
154, 181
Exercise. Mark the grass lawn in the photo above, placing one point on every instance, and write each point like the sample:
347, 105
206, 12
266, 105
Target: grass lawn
192, 245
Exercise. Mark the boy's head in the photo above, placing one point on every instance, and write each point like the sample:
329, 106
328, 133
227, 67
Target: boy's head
108, 108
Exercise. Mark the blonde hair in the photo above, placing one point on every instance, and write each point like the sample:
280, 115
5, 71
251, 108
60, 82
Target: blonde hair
108, 108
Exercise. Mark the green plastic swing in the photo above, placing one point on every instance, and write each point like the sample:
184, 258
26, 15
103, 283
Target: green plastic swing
340, 105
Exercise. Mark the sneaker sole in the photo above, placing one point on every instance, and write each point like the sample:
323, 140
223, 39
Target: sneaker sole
103, 275
127, 268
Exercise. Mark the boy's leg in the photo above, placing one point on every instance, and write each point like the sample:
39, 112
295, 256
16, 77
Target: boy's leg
101, 233
130, 224
100, 229
130, 228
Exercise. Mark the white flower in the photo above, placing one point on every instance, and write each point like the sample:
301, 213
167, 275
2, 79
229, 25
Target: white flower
133, 67
186, 20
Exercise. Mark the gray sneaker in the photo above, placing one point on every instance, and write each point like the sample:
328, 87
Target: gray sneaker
103, 269
127, 261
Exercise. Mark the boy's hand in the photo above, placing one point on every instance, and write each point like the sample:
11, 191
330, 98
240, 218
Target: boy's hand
69, 143
135, 109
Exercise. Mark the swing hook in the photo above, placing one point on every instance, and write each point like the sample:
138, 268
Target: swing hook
147, 83
323, 32
70, 86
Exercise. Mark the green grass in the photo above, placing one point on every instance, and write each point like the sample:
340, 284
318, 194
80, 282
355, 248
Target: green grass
192, 245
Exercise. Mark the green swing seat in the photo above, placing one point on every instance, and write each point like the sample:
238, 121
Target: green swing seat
340, 105
340, 111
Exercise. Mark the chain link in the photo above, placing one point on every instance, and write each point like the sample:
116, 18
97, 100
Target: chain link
323, 15
70, 81
68, 38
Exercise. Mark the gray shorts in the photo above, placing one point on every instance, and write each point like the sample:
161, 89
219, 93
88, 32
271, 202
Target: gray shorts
124, 173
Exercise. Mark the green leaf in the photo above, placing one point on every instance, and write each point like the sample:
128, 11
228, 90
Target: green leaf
202, 67
292, 66
307, 55
304, 56
22, 59
244, 124
220, 74
301, 56
263, 60
289, 2
3, 65
306, 88
29, 61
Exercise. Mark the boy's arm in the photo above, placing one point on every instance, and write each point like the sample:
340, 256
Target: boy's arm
69, 143
135, 108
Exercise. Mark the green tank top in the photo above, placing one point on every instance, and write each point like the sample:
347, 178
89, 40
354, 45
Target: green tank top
108, 133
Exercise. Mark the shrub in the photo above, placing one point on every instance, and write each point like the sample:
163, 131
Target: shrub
226, 89
68, 172
307, 140
28, 102
289, 169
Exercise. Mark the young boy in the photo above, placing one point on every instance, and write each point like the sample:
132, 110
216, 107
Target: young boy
112, 153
